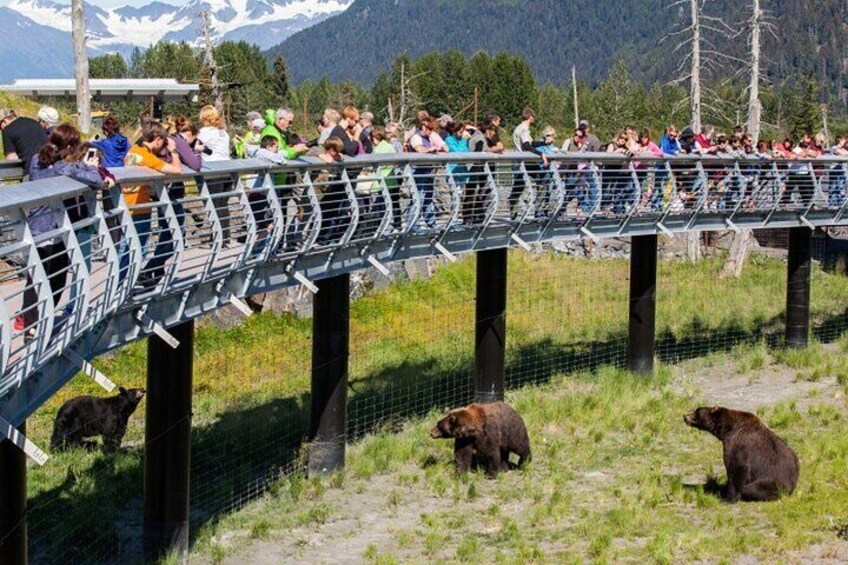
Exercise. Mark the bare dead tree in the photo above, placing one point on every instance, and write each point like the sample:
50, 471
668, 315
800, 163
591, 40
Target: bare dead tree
754, 106
700, 55
695, 69
209, 62
81, 66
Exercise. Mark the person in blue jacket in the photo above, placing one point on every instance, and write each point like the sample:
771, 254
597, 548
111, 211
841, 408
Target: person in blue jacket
114, 146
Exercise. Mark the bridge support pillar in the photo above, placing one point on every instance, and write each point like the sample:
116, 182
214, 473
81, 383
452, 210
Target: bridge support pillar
13, 503
643, 298
167, 451
490, 330
798, 287
330, 350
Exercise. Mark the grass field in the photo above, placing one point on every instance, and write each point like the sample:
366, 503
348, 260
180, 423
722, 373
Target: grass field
616, 477
411, 354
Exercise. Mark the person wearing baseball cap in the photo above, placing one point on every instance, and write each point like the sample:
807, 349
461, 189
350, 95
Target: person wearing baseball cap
591, 142
22, 137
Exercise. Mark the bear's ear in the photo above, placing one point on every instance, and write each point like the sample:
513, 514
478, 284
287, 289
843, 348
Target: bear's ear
452, 419
122, 390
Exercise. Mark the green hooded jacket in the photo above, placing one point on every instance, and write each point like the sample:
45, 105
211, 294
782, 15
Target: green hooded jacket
271, 129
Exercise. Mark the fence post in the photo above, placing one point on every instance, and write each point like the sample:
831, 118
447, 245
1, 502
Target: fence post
798, 287
13, 502
490, 328
330, 349
167, 449
643, 295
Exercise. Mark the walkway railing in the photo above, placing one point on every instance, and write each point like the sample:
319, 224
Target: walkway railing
109, 273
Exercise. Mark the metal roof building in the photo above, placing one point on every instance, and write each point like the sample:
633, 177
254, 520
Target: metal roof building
138, 89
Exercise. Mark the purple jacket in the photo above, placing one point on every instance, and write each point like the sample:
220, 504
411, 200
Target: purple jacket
188, 157
41, 218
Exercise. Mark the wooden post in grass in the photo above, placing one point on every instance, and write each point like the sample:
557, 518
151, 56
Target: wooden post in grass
490, 329
330, 351
13, 502
643, 295
798, 287
167, 448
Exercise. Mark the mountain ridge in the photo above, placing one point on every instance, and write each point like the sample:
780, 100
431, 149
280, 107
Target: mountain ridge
553, 35
120, 29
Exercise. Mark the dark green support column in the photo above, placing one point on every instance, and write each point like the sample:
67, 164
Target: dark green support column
167, 451
798, 287
490, 329
330, 351
13, 503
643, 299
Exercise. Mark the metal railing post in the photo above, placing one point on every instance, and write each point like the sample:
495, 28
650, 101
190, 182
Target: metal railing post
798, 287
643, 294
330, 350
490, 328
13, 502
167, 450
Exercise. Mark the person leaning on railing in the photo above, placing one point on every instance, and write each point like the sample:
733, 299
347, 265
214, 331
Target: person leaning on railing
58, 157
214, 135
22, 137
145, 153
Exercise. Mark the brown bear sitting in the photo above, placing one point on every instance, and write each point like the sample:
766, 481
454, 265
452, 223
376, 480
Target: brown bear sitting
485, 433
87, 416
760, 466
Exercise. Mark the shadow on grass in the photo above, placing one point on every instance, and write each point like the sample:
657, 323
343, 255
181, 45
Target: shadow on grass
712, 487
95, 515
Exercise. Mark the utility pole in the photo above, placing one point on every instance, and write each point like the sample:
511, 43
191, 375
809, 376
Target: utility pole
574, 87
81, 66
824, 122
209, 62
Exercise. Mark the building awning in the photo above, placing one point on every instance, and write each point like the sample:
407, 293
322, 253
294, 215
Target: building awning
105, 89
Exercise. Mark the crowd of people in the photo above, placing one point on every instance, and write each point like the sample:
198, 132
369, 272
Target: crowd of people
49, 148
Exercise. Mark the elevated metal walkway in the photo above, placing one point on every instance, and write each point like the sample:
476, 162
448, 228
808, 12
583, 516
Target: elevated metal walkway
112, 273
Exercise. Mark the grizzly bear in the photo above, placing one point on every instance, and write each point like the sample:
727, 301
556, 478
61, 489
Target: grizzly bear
760, 466
87, 416
485, 434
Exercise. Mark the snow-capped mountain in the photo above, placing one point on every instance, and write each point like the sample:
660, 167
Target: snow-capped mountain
263, 22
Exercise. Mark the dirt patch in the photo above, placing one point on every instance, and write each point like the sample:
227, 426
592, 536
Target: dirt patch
723, 385
365, 512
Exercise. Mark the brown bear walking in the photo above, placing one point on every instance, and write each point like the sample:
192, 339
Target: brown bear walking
487, 433
87, 416
760, 466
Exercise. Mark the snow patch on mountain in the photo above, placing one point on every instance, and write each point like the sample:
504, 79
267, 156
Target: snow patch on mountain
145, 25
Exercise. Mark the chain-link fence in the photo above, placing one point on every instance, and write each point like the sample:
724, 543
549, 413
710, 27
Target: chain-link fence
412, 352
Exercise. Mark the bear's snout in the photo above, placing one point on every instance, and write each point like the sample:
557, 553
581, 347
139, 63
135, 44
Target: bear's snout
690, 418
436, 433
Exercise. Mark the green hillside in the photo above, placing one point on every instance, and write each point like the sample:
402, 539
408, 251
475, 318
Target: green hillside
553, 35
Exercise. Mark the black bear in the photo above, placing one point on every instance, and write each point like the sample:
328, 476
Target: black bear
760, 466
87, 416
487, 433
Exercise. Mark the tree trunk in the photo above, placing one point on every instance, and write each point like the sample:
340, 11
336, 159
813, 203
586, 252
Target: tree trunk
212, 67
81, 66
695, 79
754, 106
738, 253
693, 246
742, 239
